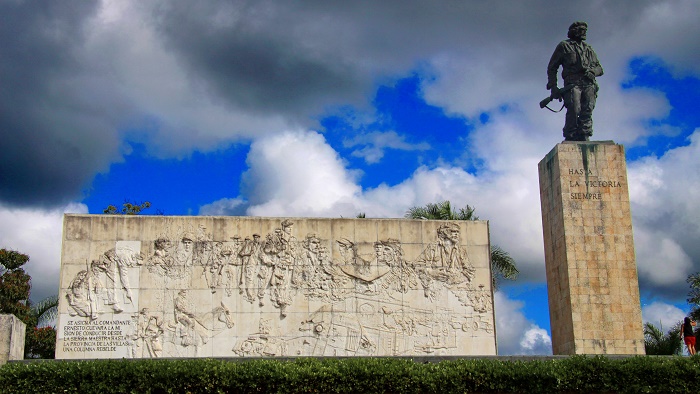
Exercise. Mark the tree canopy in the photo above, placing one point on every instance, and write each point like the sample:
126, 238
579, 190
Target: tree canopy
658, 343
694, 295
15, 285
441, 211
128, 208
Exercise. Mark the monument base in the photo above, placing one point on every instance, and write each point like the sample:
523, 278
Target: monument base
12, 334
589, 250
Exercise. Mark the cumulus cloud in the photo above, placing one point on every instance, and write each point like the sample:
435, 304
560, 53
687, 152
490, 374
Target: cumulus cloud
515, 333
178, 76
373, 144
656, 249
662, 315
664, 212
37, 233
297, 173
224, 207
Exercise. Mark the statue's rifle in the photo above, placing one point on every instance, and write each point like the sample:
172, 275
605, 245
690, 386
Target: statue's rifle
545, 103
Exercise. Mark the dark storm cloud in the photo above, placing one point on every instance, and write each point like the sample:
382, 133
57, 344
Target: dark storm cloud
75, 75
51, 136
263, 57
298, 58
286, 56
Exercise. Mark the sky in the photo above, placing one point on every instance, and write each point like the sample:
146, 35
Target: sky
330, 108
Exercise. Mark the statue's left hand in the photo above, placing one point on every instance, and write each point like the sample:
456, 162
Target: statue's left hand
556, 93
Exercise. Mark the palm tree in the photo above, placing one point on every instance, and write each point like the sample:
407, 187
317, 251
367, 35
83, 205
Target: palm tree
46, 311
40, 341
694, 295
441, 211
503, 265
658, 343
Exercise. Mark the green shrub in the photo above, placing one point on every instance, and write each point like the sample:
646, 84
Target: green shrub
576, 374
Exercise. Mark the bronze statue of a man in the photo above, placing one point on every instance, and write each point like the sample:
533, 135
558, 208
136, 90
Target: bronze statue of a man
580, 67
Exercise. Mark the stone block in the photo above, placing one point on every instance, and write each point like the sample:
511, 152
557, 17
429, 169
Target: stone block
586, 184
164, 286
12, 333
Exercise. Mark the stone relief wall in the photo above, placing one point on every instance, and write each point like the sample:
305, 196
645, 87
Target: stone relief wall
158, 286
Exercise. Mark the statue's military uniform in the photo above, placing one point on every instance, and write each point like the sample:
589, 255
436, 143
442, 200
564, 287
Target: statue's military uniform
580, 67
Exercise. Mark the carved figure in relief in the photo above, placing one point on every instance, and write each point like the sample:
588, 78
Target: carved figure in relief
116, 263
84, 291
283, 267
213, 262
439, 334
444, 262
308, 263
231, 263
401, 277
147, 340
480, 300
190, 331
152, 335
330, 268
249, 255
316, 272
161, 260
268, 259
175, 262
202, 252
185, 251
136, 338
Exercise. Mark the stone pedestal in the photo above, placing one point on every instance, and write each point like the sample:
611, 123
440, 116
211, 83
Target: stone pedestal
12, 332
589, 250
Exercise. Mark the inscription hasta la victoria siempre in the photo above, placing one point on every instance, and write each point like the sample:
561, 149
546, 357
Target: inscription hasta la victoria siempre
588, 195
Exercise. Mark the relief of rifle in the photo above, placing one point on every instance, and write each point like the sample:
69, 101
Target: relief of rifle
549, 99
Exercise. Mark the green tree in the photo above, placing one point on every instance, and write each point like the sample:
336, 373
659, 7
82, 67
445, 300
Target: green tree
503, 265
694, 295
128, 208
658, 343
41, 340
15, 285
694, 299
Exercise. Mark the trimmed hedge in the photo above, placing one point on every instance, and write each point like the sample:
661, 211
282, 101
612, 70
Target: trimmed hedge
356, 375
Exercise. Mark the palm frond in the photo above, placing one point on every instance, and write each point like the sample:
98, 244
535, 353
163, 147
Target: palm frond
658, 343
502, 262
46, 311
